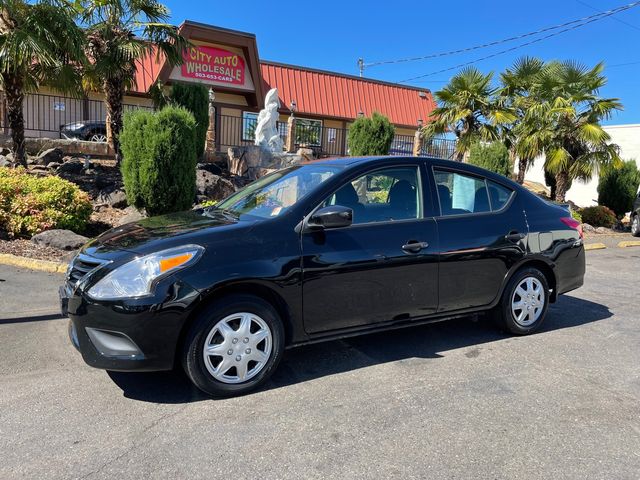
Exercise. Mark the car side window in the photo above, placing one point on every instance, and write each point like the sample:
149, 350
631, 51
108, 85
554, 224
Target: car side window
498, 195
461, 194
381, 196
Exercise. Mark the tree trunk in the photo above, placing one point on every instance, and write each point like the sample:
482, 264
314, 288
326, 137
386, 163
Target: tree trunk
114, 91
512, 160
15, 96
562, 185
522, 169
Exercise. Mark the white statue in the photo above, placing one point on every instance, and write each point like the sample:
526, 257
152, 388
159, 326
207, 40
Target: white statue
267, 135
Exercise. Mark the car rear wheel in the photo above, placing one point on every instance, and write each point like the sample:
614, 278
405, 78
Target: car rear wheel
635, 225
524, 302
234, 346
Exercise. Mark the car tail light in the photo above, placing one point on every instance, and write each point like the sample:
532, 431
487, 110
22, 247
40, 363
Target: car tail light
573, 223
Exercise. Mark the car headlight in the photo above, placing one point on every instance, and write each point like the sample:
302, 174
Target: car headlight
138, 277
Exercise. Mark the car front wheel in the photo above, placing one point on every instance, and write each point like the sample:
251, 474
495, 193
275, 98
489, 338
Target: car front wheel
234, 346
524, 302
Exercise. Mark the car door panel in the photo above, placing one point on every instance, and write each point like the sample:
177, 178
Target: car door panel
360, 275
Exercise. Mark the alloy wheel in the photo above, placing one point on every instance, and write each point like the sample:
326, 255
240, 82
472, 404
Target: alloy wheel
237, 348
527, 301
98, 137
635, 225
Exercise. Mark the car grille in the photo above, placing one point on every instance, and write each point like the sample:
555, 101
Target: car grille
81, 266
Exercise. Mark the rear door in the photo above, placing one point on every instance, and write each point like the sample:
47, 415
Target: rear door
482, 233
384, 267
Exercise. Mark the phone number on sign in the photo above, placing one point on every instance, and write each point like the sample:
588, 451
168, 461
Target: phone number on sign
211, 76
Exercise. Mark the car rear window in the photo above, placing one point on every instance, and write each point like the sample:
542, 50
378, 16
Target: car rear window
498, 194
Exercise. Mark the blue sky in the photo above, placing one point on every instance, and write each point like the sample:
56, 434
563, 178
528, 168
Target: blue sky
332, 35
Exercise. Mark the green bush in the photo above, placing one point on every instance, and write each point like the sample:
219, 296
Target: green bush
371, 136
598, 216
159, 160
575, 214
30, 204
493, 157
617, 188
195, 98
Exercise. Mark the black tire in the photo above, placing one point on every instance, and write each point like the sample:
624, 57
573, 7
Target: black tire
193, 358
635, 225
503, 313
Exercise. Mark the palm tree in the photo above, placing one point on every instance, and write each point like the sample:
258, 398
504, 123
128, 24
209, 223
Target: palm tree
119, 34
38, 41
519, 91
576, 145
468, 107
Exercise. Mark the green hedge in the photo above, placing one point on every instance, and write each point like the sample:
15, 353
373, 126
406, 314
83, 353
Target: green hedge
30, 204
159, 159
598, 216
617, 188
195, 98
371, 136
493, 157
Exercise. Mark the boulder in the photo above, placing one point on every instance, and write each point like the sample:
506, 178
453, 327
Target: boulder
603, 230
50, 155
588, 228
214, 187
115, 199
210, 167
73, 166
60, 239
53, 165
4, 162
132, 215
307, 153
4, 151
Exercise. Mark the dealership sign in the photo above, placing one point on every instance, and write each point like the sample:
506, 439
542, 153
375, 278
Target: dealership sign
213, 64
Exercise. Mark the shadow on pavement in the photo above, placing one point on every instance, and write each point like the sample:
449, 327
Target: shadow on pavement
318, 360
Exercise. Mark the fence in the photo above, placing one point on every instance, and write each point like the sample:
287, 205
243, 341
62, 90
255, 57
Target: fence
45, 114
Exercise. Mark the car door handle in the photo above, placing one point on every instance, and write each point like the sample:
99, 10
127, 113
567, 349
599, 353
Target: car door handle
413, 246
514, 237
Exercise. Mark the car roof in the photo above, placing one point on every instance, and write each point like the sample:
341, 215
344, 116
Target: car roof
354, 161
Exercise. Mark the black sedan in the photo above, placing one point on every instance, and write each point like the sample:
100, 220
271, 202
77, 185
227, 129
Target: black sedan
89, 130
314, 252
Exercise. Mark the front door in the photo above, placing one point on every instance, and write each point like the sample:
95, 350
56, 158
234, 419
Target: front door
384, 267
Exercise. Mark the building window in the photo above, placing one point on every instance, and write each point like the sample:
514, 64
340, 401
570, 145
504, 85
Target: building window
249, 123
308, 132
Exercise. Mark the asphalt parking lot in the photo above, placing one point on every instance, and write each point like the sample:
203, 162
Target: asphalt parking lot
451, 400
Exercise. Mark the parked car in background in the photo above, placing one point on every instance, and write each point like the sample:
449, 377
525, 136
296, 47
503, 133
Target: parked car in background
315, 252
92, 131
635, 216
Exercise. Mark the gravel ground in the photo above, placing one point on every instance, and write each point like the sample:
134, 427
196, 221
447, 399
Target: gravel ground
26, 248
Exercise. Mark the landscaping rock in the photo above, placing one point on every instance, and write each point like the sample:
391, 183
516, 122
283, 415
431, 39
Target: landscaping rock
210, 167
307, 153
133, 215
53, 165
4, 151
214, 187
73, 166
51, 155
4, 162
588, 228
60, 239
603, 230
115, 199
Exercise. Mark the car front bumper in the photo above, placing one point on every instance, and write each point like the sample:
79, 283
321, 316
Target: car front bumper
130, 335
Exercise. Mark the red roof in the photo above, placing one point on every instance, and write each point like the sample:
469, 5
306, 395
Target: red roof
328, 94
325, 94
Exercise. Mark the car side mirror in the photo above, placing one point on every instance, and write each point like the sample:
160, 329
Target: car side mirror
333, 216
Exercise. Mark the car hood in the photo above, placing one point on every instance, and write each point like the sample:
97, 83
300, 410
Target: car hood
157, 233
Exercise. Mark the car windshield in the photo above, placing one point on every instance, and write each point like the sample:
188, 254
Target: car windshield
274, 194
